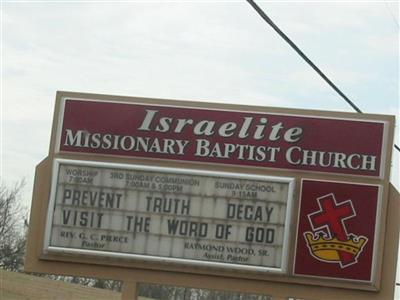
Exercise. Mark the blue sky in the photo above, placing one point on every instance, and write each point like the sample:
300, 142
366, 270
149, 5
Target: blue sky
196, 50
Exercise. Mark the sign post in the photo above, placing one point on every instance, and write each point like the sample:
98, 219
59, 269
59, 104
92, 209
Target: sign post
239, 193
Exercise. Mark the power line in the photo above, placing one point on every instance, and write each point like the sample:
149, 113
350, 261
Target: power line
301, 53
395, 20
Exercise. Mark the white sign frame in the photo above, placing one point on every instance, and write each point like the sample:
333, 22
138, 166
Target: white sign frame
168, 260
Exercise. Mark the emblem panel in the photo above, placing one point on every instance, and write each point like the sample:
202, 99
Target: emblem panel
337, 230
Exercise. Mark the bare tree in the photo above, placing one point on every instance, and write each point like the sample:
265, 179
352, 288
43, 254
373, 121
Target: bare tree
180, 293
12, 227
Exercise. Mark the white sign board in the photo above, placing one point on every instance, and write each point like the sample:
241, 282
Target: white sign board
215, 219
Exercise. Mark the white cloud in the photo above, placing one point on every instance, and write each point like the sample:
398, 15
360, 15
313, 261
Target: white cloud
194, 50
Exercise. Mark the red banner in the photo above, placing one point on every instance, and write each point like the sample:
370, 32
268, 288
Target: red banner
259, 139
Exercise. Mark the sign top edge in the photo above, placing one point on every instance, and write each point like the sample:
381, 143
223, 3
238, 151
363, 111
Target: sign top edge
220, 104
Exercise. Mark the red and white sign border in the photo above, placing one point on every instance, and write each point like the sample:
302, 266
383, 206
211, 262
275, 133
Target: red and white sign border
47, 248
383, 150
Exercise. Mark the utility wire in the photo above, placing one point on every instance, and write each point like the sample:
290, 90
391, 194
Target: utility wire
301, 53
395, 20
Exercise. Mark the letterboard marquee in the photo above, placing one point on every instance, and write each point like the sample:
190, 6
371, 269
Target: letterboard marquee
271, 194
170, 215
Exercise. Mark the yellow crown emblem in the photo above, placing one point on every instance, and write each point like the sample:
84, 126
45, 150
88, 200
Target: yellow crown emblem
328, 249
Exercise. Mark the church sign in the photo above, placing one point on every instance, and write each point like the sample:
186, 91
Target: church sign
278, 195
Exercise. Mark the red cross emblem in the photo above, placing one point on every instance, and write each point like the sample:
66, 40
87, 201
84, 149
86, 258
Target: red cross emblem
329, 222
